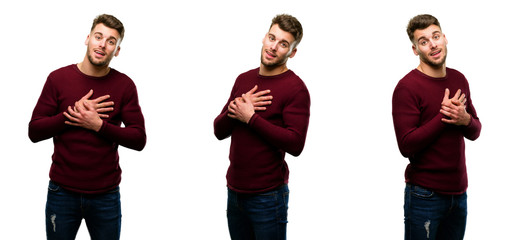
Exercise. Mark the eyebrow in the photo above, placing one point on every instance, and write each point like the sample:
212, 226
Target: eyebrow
110, 37
433, 33
283, 40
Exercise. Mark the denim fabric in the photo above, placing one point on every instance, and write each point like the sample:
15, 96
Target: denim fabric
430, 215
65, 211
258, 216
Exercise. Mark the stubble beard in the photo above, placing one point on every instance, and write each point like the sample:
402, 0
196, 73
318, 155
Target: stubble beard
279, 61
98, 63
435, 64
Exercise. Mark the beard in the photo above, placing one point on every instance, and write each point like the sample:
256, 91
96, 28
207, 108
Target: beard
98, 63
435, 64
278, 61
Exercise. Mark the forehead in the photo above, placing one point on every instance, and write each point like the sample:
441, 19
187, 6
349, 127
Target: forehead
106, 31
281, 34
426, 32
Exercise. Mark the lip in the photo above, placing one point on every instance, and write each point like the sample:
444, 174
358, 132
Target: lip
99, 53
435, 53
270, 54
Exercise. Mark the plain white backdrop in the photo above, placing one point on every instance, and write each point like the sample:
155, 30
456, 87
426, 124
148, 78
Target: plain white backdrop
184, 57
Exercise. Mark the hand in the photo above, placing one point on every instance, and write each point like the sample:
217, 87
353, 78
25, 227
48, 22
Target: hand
88, 113
241, 108
98, 104
455, 109
260, 99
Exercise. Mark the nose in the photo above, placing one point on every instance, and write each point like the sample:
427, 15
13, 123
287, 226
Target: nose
433, 43
274, 45
102, 43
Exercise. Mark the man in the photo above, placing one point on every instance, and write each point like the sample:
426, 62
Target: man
82, 107
263, 128
430, 127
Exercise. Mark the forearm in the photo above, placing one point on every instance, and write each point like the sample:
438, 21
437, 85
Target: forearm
132, 136
472, 131
290, 139
41, 127
411, 138
223, 126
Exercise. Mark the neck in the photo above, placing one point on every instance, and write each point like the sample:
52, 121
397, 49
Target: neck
436, 72
89, 69
272, 71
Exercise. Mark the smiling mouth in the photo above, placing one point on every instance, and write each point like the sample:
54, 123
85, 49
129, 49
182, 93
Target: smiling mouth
435, 53
100, 53
270, 54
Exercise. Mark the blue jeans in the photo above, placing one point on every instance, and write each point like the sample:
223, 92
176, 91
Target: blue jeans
65, 210
430, 215
258, 216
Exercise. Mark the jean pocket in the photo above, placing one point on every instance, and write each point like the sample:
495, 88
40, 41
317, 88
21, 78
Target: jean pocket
53, 187
421, 192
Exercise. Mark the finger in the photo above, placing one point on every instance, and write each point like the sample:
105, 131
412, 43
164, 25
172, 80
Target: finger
103, 110
105, 104
246, 98
79, 106
88, 95
262, 93
253, 89
462, 98
446, 94
260, 108
262, 103
72, 123
457, 94
72, 111
456, 102
103, 115
71, 118
449, 121
88, 106
101, 99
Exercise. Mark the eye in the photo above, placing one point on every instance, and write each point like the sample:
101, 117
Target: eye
423, 43
111, 42
271, 38
436, 37
284, 45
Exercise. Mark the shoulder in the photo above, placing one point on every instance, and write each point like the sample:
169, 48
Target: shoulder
66, 70
453, 73
120, 77
409, 80
253, 73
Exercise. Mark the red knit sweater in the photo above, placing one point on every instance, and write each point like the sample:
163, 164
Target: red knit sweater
436, 150
258, 148
83, 160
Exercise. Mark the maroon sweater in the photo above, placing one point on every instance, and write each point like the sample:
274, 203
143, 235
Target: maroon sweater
258, 148
85, 161
436, 150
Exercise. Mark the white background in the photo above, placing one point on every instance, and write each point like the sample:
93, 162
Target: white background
184, 57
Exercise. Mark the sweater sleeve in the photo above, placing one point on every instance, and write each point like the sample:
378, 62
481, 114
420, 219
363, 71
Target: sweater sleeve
223, 125
412, 137
472, 131
47, 121
292, 136
133, 135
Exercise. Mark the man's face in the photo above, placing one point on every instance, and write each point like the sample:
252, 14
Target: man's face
430, 45
103, 43
277, 47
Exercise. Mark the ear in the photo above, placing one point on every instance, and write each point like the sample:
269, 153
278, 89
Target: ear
414, 49
293, 52
445, 39
117, 51
87, 40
